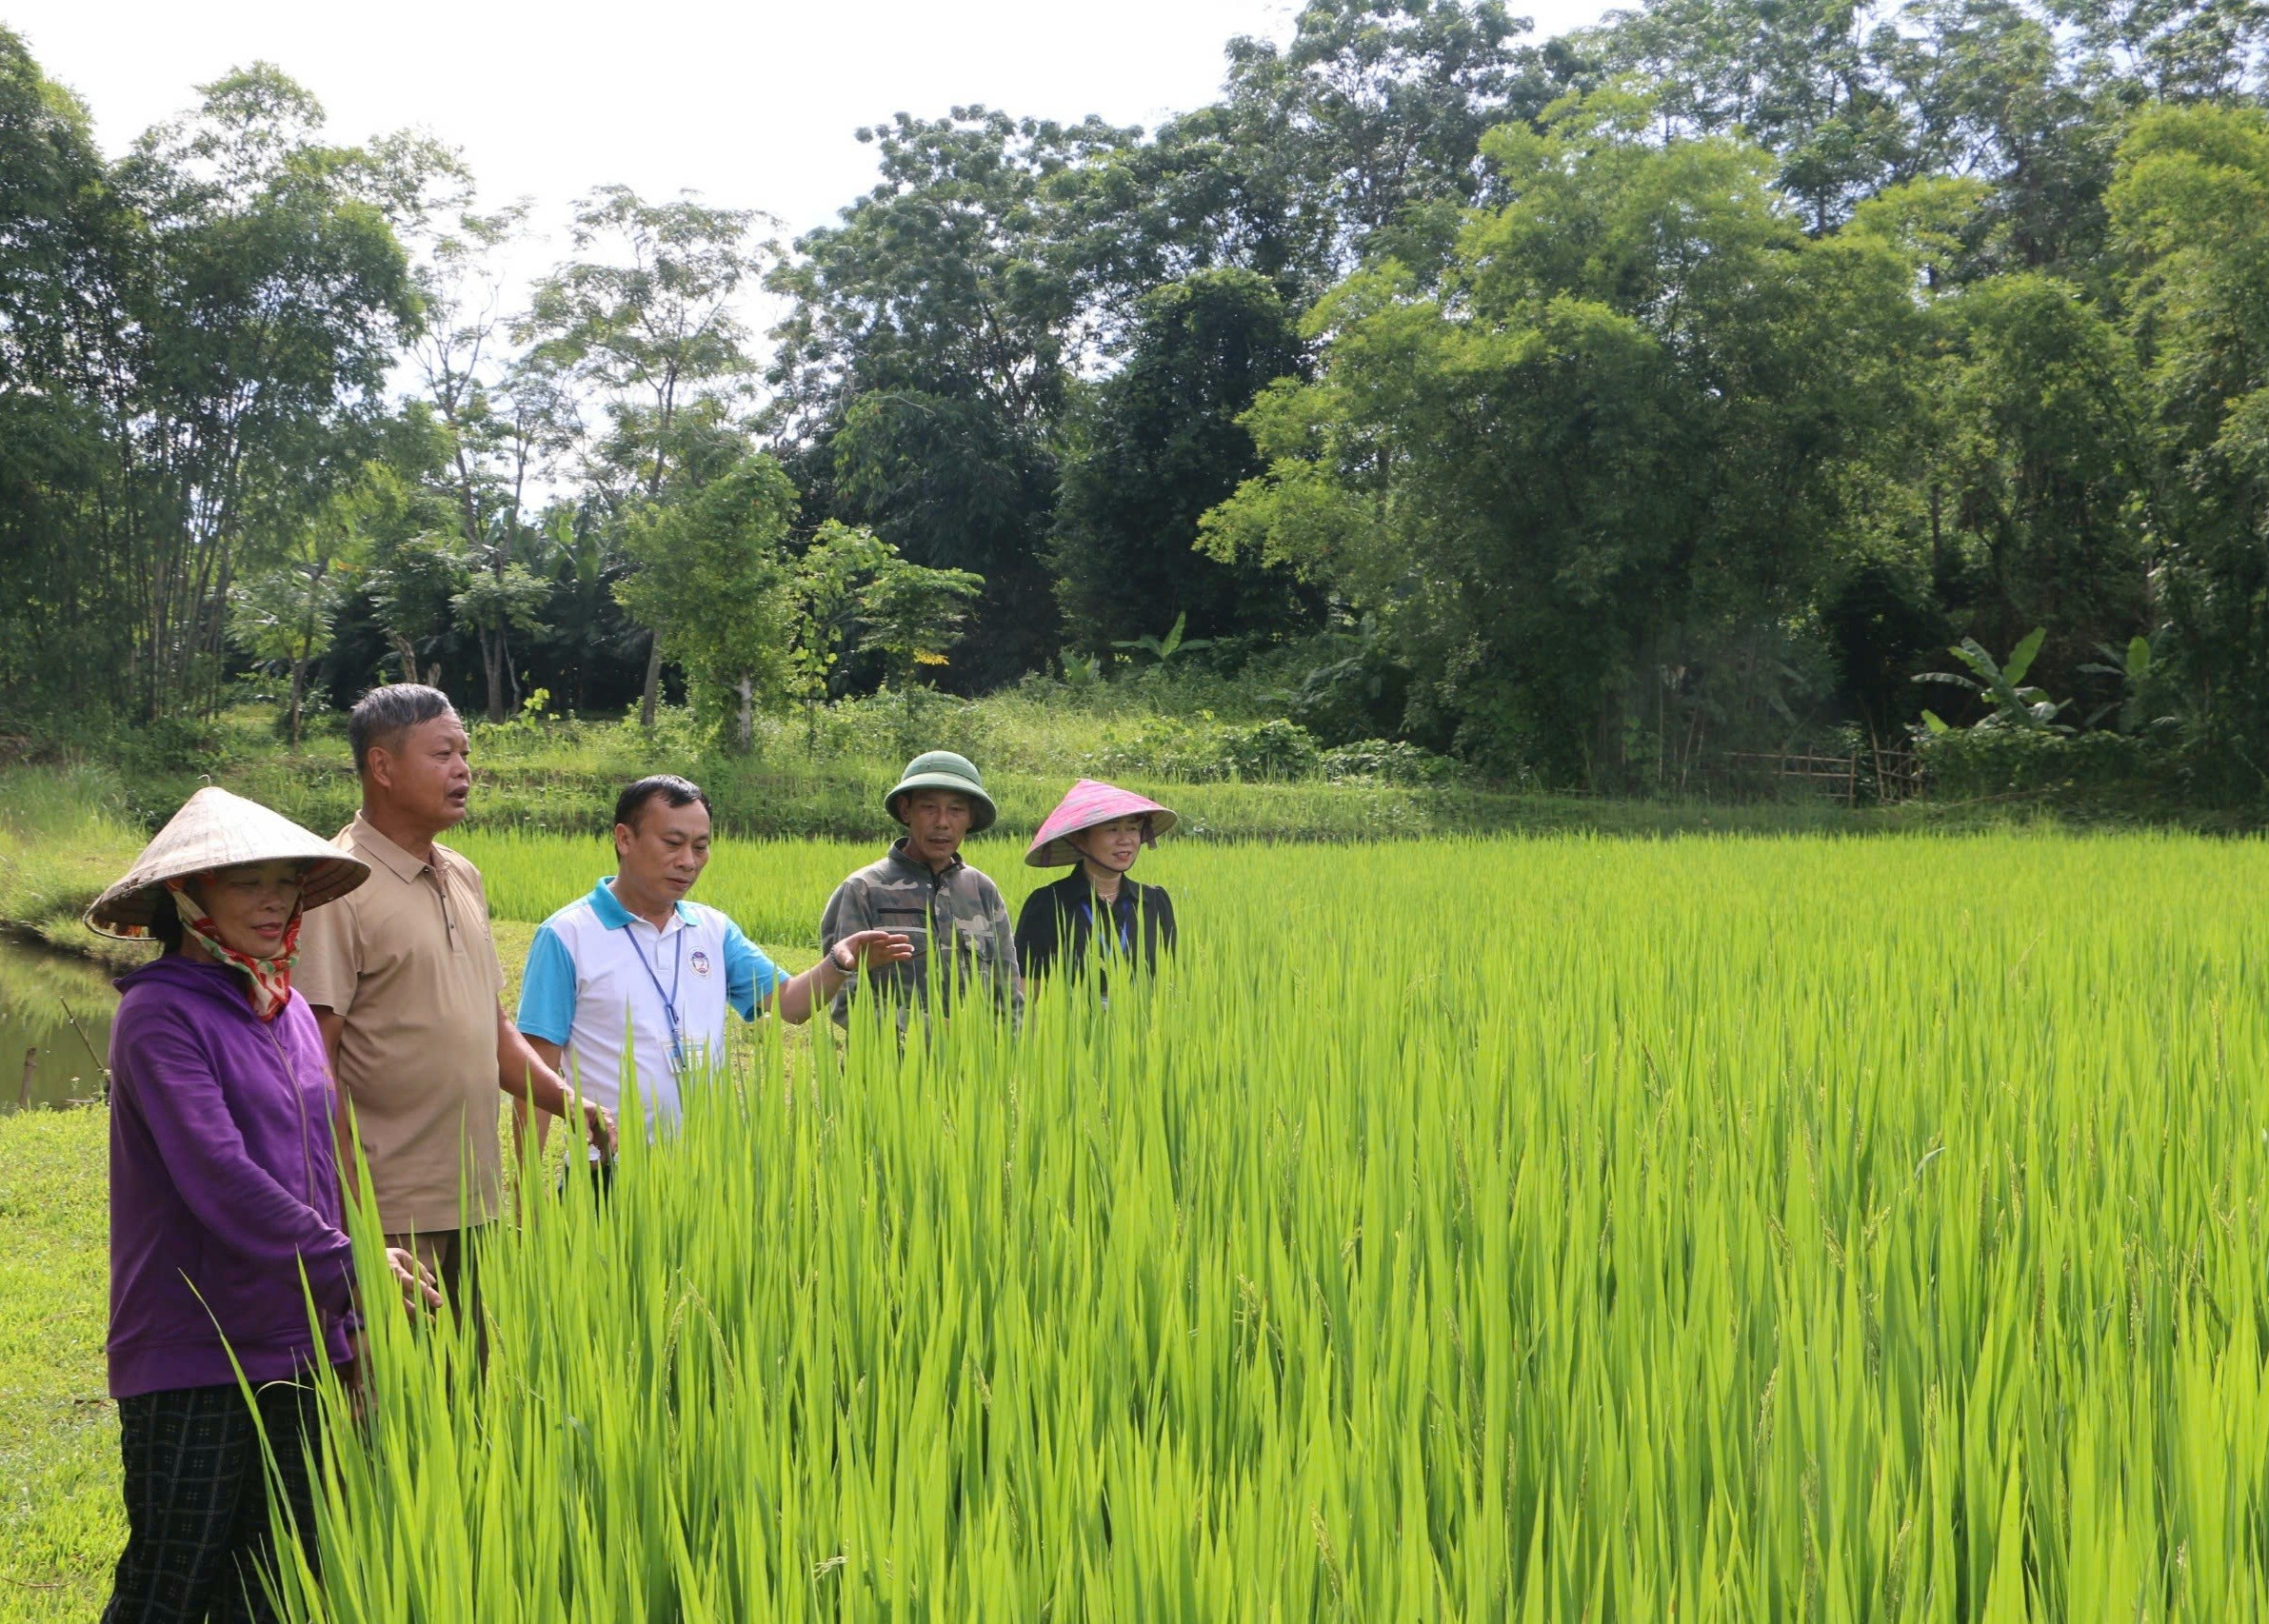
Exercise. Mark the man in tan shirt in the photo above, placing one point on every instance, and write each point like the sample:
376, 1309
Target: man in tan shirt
407, 990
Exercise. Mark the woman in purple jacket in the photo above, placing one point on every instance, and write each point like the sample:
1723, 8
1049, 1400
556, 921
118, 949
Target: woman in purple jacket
226, 1217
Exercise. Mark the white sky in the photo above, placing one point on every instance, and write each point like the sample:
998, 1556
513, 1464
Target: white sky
753, 105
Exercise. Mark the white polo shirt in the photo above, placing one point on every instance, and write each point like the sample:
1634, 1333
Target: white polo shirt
597, 974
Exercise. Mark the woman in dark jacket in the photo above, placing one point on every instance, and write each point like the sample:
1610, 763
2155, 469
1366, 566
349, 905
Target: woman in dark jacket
1097, 913
226, 1215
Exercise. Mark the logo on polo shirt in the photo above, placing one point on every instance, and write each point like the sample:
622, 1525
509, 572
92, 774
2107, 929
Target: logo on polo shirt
700, 963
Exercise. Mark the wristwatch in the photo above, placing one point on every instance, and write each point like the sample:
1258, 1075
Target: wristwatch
850, 969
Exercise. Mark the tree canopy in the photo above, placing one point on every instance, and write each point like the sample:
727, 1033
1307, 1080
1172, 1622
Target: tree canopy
1585, 406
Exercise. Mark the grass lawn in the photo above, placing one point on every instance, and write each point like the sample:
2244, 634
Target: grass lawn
60, 1521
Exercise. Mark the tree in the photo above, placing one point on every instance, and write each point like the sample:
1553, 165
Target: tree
1991, 97
269, 294
283, 612
852, 594
1380, 107
649, 319
1360, 140
2172, 51
1155, 446
69, 622
1612, 457
1803, 80
414, 586
713, 581
499, 596
926, 362
1879, 620
2190, 212
501, 419
912, 615
825, 592
2042, 450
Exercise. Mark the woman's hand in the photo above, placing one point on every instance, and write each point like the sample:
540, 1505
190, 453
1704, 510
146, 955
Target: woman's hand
869, 948
416, 1280
598, 1123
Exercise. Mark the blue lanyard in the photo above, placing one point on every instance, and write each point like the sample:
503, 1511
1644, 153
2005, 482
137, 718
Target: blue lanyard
669, 1003
1125, 929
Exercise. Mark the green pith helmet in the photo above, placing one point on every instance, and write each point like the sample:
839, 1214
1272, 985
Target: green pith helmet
943, 769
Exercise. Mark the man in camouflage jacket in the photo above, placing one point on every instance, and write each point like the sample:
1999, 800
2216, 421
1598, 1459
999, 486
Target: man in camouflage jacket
964, 943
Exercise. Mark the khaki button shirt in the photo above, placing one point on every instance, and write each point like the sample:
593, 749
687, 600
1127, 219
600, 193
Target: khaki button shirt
407, 962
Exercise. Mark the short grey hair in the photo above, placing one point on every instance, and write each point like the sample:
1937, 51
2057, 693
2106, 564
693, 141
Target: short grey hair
383, 715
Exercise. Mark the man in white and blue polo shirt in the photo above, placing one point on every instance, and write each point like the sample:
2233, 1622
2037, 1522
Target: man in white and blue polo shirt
634, 976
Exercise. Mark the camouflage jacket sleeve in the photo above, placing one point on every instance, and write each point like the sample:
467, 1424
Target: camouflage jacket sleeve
1002, 930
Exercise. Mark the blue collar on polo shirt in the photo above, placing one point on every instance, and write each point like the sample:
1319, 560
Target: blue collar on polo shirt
615, 917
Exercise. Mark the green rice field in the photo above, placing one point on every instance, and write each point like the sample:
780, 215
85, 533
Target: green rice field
1742, 1229
1567, 1228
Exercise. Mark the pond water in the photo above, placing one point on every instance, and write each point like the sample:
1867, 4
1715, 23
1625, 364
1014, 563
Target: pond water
54, 1027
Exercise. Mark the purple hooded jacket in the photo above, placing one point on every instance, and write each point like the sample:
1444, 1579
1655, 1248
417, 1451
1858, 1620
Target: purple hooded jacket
224, 1185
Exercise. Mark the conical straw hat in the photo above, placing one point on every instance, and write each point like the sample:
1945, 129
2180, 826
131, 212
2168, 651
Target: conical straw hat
1086, 803
214, 829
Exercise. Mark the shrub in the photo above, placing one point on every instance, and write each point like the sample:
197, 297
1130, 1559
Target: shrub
1387, 760
1270, 750
2114, 771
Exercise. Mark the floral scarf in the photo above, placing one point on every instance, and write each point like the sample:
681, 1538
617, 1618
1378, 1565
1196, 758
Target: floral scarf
271, 978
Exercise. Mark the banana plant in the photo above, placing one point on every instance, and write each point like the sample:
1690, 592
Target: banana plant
1162, 650
2002, 683
2133, 667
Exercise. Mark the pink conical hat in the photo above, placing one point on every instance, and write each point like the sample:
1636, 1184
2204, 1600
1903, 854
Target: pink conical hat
1086, 803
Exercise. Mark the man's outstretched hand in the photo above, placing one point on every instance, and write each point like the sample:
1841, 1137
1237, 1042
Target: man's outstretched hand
869, 948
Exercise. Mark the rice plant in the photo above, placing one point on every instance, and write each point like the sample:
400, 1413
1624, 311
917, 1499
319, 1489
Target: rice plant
1566, 1229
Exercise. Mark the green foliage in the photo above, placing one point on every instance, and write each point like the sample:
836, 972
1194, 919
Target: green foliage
1879, 620
60, 632
926, 359
853, 594
1201, 751
913, 615
1650, 394
496, 422
1386, 761
2042, 456
285, 613
509, 599
2190, 209
2132, 669
839, 560
198, 340
2103, 771
1154, 446
2001, 683
713, 581
648, 316
1164, 649
1582, 460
